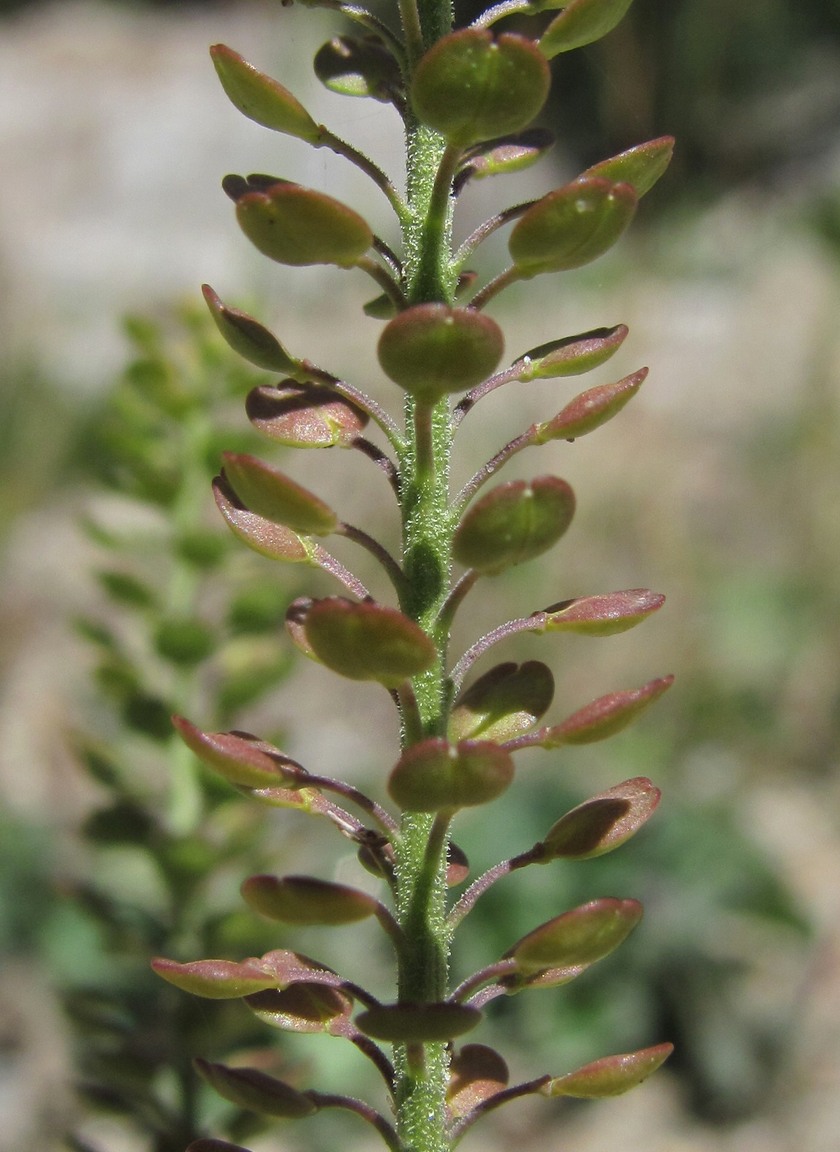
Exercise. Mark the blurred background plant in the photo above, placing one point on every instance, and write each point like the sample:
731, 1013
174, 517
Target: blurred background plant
740, 487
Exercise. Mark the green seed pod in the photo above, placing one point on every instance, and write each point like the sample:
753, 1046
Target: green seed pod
472, 87
507, 154
578, 937
367, 641
270, 493
260, 98
572, 355
513, 523
305, 900
581, 22
571, 226
504, 702
434, 776
240, 758
640, 167
248, 337
476, 1073
298, 226
215, 979
272, 540
352, 66
295, 968
611, 1075
605, 716
305, 1007
602, 823
432, 349
417, 1023
590, 409
254, 1090
305, 415
603, 615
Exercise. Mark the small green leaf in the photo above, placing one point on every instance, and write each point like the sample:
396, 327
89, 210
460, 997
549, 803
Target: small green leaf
356, 66
572, 355
417, 1023
432, 349
581, 936
602, 823
590, 409
299, 226
305, 415
367, 641
603, 615
184, 640
272, 540
305, 900
271, 494
605, 716
248, 337
507, 700
240, 758
215, 979
476, 1074
303, 1007
249, 1088
640, 167
571, 226
260, 98
581, 22
611, 1075
471, 87
435, 776
513, 523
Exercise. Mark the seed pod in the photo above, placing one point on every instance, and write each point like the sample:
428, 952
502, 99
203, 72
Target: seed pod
271, 494
476, 1074
367, 641
602, 823
434, 776
611, 1075
356, 66
431, 350
590, 409
603, 615
513, 523
215, 979
581, 936
272, 540
504, 702
471, 87
305, 415
254, 1090
299, 226
581, 22
571, 226
605, 716
572, 355
640, 167
303, 1007
260, 98
305, 900
248, 337
418, 1023
240, 758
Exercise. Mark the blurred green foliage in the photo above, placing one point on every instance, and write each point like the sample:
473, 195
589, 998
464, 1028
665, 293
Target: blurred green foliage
180, 623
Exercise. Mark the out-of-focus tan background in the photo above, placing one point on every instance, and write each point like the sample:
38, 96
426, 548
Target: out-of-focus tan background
719, 485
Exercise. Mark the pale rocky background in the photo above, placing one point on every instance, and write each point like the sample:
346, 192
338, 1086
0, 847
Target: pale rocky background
113, 138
